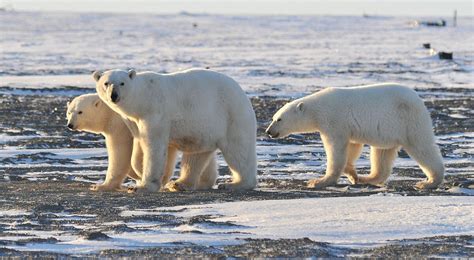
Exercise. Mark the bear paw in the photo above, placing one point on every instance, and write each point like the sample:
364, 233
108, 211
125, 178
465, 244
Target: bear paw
226, 186
105, 187
351, 174
176, 186
353, 179
143, 189
318, 184
137, 189
426, 185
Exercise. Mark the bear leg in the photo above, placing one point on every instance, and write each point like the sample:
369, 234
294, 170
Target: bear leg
353, 153
208, 176
119, 152
242, 160
170, 165
431, 163
137, 158
154, 145
133, 175
381, 163
192, 165
336, 153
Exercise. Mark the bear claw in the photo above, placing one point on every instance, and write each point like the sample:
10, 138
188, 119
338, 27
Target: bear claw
132, 189
175, 186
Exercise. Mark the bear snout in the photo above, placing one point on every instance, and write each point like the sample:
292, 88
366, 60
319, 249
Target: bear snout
274, 135
271, 133
114, 96
70, 126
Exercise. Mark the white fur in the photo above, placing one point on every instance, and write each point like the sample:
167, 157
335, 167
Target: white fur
88, 113
194, 111
96, 117
385, 116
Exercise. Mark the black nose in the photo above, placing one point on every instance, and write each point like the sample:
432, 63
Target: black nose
272, 135
70, 126
114, 96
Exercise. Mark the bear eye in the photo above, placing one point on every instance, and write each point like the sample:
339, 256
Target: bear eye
80, 112
106, 84
121, 84
279, 119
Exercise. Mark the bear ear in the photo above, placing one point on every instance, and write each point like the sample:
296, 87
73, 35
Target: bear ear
300, 106
68, 103
132, 73
96, 75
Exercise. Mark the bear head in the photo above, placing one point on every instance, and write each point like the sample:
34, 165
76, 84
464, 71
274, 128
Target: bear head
86, 113
115, 87
291, 118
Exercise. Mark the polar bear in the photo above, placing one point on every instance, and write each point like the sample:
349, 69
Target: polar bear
385, 116
89, 113
195, 111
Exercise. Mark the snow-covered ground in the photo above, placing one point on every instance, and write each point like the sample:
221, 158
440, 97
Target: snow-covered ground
355, 221
268, 55
47, 58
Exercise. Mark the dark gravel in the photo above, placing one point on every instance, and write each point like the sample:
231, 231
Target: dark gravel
42, 117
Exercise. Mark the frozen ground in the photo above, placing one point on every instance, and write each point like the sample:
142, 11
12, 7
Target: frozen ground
45, 170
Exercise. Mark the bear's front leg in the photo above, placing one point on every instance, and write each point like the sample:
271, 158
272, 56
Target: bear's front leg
154, 144
119, 150
336, 153
137, 158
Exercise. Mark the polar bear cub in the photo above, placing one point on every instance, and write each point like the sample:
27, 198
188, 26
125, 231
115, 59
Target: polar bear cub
195, 111
385, 116
89, 113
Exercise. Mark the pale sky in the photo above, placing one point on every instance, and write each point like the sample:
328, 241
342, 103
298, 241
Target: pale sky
294, 7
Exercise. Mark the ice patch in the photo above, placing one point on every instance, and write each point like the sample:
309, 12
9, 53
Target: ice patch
464, 191
349, 221
13, 213
354, 220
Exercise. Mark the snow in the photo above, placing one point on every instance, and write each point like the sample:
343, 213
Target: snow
267, 55
13, 212
349, 221
354, 220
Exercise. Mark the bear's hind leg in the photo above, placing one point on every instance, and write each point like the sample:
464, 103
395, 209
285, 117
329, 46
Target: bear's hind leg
170, 165
192, 165
381, 163
208, 176
336, 153
353, 153
431, 163
242, 160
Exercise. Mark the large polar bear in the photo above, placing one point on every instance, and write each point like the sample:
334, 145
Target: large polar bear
194, 111
385, 116
89, 113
